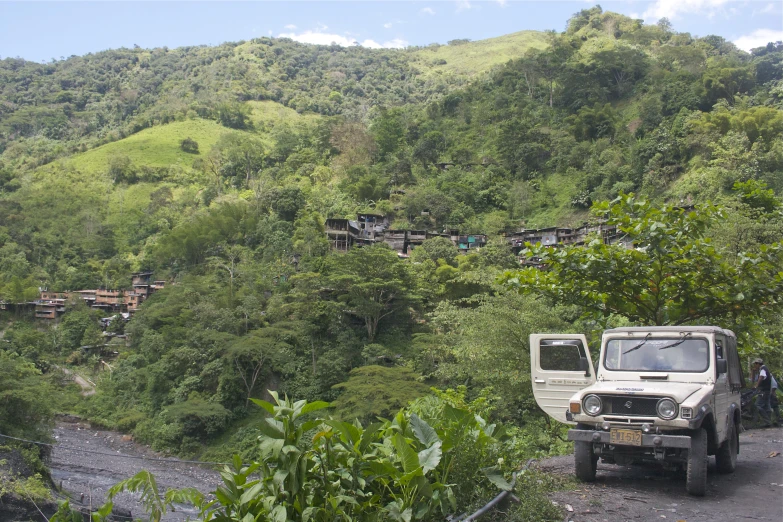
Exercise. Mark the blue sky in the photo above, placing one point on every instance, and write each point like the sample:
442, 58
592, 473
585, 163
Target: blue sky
41, 31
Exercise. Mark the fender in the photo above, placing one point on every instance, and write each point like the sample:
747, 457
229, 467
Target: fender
734, 412
704, 411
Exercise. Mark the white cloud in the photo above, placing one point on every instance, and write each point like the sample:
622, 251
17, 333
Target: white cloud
463, 5
671, 9
769, 8
428, 10
502, 2
321, 38
758, 38
290, 27
396, 43
388, 25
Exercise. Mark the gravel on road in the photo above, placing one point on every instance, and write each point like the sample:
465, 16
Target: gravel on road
753, 492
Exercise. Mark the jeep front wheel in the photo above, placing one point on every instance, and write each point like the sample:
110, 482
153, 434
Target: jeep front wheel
696, 482
726, 458
585, 460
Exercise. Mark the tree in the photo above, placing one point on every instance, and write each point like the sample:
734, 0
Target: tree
234, 115
371, 283
240, 157
121, 169
189, 145
434, 249
377, 391
229, 258
672, 276
25, 400
388, 131
250, 356
429, 147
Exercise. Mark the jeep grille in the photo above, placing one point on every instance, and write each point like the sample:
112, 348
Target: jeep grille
630, 405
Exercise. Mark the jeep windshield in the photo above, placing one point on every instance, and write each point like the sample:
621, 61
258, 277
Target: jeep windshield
658, 354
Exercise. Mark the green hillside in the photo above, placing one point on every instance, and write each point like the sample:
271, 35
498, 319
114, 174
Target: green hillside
159, 146
469, 59
155, 147
485, 138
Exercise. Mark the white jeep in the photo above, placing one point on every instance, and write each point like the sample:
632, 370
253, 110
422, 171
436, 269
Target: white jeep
667, 394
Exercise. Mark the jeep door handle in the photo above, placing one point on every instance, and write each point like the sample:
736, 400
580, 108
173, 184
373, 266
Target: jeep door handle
540, 381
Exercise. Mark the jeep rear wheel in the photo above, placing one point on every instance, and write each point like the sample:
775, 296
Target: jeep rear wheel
585, 460
726, 458
696, 482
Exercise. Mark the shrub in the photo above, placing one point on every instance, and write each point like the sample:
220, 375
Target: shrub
197, 417
130, 420
188, 145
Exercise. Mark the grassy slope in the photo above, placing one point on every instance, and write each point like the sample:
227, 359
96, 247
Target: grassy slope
159, 146
477, 57
267, 114
155, 147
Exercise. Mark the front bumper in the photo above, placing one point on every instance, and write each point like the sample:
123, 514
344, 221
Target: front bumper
648, 440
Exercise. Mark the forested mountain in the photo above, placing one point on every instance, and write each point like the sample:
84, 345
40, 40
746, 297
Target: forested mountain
216, 167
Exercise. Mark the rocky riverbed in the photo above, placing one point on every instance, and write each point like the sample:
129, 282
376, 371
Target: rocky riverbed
88, 461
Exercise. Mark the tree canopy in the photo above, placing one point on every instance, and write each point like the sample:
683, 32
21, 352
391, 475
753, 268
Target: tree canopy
663, 270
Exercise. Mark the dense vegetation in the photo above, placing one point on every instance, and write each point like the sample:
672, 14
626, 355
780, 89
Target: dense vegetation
216, 167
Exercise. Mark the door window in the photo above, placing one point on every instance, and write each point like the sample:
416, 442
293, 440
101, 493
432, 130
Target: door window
561, 355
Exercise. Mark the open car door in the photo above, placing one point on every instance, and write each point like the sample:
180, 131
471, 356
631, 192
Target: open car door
560, 366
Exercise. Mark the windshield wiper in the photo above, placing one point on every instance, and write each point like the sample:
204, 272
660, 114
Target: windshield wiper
676, 343
638, 345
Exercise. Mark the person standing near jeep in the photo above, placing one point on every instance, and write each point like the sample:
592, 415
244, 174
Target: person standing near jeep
764, 384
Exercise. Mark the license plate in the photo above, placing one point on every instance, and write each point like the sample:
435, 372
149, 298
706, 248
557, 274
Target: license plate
625, 437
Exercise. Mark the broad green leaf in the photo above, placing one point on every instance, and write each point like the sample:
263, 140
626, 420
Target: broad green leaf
423, 431
382, 468
496, 477
311, 424
409, 458
225, 496
314, 406
268, 407
251, 493
272, 428
270, 448
429, 458
278, 514
349, 433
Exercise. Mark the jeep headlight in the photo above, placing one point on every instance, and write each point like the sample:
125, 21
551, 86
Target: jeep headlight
667, 409
592, 405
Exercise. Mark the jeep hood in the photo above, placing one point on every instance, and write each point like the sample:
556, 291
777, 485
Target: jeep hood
677, 390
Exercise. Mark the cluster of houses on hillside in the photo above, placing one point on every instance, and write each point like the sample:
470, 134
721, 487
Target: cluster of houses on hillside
343, 234
367, 229
51, 305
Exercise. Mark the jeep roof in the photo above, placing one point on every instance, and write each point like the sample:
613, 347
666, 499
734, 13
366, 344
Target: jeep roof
699, 329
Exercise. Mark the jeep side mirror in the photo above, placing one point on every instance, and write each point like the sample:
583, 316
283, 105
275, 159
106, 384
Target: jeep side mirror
584, 366
723, 366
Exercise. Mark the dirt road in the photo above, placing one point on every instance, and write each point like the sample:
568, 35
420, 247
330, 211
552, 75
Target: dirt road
86, 477
753, 492
88, 387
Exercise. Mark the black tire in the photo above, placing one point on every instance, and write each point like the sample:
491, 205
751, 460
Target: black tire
726, 458
585, 460
696, 482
